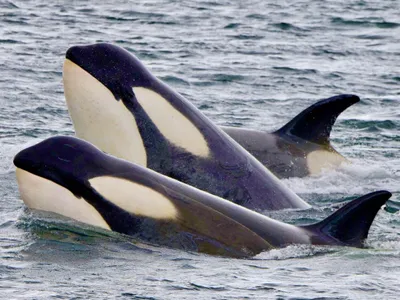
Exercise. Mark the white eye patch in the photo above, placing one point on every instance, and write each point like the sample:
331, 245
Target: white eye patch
134, 198
173, 125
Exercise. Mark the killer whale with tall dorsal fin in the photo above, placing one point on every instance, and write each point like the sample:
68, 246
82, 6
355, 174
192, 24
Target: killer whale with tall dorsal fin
119, 106
301, 147
70, 177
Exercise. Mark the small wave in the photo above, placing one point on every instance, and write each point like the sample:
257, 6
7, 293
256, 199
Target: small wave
294, 251
387, 25
206, 107
207, 287
395, 78
232, 26
324, 50
295, 70
147, 54
365, 23
86, 10
161, 22
370, 37
247, 37
385, 247
370, 125
119, 19
45, 222
392, 207
137, 296
141, 14
15, 22
226, 78
256, 16
9, 41
287, 26
353, 179
181, 288
8, 4
175, 80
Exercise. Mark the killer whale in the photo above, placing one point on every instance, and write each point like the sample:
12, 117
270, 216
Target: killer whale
119, 106
301, 147
71, 177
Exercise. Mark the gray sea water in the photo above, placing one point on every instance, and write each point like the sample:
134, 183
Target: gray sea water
244, 63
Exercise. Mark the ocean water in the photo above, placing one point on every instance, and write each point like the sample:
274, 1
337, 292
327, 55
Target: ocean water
244, 63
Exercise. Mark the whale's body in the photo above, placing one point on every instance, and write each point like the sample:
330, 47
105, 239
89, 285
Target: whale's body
302, 147
119, 106
71, 177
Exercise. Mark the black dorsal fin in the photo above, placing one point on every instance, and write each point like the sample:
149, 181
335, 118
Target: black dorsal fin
314, 124
350, 224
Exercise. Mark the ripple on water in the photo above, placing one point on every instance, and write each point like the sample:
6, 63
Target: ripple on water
244, 65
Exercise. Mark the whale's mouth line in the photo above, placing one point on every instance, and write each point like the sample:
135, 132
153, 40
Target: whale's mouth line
44, 194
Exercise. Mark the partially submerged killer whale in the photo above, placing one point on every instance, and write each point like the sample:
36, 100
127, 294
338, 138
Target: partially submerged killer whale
119, 106
71, 177
301, 147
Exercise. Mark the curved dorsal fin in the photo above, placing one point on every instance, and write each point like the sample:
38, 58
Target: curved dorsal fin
314, 124
350, 224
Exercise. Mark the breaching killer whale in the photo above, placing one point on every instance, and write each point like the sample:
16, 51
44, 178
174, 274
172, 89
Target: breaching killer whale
301, 147
71, 177
116, 104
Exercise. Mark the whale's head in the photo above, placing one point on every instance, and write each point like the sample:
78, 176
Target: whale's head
53, 176
111, 66
73, 178
113, 100
98, 84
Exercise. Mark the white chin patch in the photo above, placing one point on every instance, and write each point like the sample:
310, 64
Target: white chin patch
321, 159
134, 198
99, 118
42, 194
174, 126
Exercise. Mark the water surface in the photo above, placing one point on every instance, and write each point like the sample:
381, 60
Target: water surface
247, 64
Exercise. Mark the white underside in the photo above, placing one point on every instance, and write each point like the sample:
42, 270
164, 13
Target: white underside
99, 118
320, 159
105, 122
134, 198
42, 194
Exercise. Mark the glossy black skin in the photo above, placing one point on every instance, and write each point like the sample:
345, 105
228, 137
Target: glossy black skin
284, 152
285, 157
70, 162
230, 172
282, 157
206, 223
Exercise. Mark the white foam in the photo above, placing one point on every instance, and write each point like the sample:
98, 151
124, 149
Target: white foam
358, 177
294, 251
